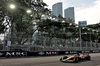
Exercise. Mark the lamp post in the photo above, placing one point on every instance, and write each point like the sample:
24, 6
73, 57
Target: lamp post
80, 37
12, 7
90, 41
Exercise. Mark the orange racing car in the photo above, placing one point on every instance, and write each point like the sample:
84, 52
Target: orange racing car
76, 58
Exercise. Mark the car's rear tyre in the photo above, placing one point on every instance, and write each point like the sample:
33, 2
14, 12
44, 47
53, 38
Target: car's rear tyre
84, 59
88, 58
76, 59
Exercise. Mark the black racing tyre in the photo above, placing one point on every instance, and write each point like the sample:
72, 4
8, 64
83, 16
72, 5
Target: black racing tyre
60, 59
76, 59
89, 58
84, 59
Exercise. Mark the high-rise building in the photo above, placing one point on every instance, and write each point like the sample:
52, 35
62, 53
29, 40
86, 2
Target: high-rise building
57, 9
69, 13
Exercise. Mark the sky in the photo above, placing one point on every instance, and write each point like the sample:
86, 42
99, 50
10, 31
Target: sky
85, 10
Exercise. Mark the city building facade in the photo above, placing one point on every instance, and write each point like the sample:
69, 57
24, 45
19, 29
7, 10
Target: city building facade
57, 9
82, 23
69, 13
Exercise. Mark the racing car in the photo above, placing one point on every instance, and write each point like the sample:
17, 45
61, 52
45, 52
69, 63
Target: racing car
76, 58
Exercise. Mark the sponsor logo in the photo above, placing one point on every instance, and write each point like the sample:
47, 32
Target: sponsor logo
96, 51
16, 53
1, 54
66, 52
86, 51
51, 53
82, 51
72, 52
41, 53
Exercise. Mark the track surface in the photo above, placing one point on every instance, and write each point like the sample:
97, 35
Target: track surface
48, 61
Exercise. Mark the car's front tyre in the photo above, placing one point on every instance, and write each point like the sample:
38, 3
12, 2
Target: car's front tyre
89, 58
60, 59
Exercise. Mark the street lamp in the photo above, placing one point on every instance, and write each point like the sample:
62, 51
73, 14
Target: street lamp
70, 24
43, 16
83, 28
53, 18
63, 21
12, 6
29, 11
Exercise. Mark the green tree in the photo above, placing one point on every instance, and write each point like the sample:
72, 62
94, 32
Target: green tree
57, 29
23, 22
91, 33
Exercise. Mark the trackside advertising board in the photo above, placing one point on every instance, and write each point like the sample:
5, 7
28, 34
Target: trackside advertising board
41, 53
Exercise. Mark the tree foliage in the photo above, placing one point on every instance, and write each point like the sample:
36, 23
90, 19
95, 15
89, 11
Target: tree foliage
23, 22
96, 32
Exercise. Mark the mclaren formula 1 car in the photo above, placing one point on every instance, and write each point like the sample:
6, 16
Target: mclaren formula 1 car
76, 58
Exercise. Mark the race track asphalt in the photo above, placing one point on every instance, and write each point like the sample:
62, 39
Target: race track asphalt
48, 61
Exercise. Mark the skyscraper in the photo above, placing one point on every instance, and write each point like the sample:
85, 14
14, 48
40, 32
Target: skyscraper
57, 9
69, 13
